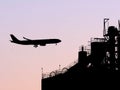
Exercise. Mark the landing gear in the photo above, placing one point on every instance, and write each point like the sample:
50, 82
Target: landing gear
35, 46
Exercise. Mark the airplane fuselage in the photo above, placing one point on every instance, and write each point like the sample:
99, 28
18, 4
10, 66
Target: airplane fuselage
41, 42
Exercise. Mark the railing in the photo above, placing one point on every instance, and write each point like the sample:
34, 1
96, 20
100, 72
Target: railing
98, 40
58, 71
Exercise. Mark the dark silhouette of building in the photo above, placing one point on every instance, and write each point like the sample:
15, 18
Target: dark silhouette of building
98, 70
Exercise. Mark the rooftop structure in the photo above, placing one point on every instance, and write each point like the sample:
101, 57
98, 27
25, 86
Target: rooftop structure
101, 65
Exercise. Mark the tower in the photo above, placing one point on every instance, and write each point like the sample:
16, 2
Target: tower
82, 58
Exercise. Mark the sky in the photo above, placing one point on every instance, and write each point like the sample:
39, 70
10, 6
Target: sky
72, 21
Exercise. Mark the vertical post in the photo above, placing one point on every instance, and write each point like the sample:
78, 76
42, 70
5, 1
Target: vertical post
118, 25
104, 26
59, 67
40, 79
42, 72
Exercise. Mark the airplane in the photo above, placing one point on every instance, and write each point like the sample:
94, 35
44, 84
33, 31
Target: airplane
41, 42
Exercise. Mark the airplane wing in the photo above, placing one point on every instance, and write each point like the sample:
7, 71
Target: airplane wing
36, 45
26, 38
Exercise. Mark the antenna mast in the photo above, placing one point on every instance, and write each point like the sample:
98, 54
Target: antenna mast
106, 24
118, 25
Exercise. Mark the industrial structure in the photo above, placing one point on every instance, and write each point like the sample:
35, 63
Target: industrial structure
101, 65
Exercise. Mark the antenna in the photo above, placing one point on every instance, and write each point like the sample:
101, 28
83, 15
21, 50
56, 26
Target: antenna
118, 25
104, 28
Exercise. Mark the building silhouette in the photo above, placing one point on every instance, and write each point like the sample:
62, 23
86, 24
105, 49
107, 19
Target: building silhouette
100, 68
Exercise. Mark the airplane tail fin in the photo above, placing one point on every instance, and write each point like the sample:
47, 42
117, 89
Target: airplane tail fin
14, 39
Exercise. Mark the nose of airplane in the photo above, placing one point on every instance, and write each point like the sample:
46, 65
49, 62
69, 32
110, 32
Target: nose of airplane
59, 40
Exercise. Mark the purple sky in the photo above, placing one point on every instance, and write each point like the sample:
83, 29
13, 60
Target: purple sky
72, 21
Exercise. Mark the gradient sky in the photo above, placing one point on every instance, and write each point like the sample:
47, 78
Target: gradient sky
72, 21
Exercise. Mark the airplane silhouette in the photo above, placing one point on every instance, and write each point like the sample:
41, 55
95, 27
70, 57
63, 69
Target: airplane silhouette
41, 42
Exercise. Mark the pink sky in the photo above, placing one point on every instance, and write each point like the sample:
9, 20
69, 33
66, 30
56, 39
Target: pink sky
72, 21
